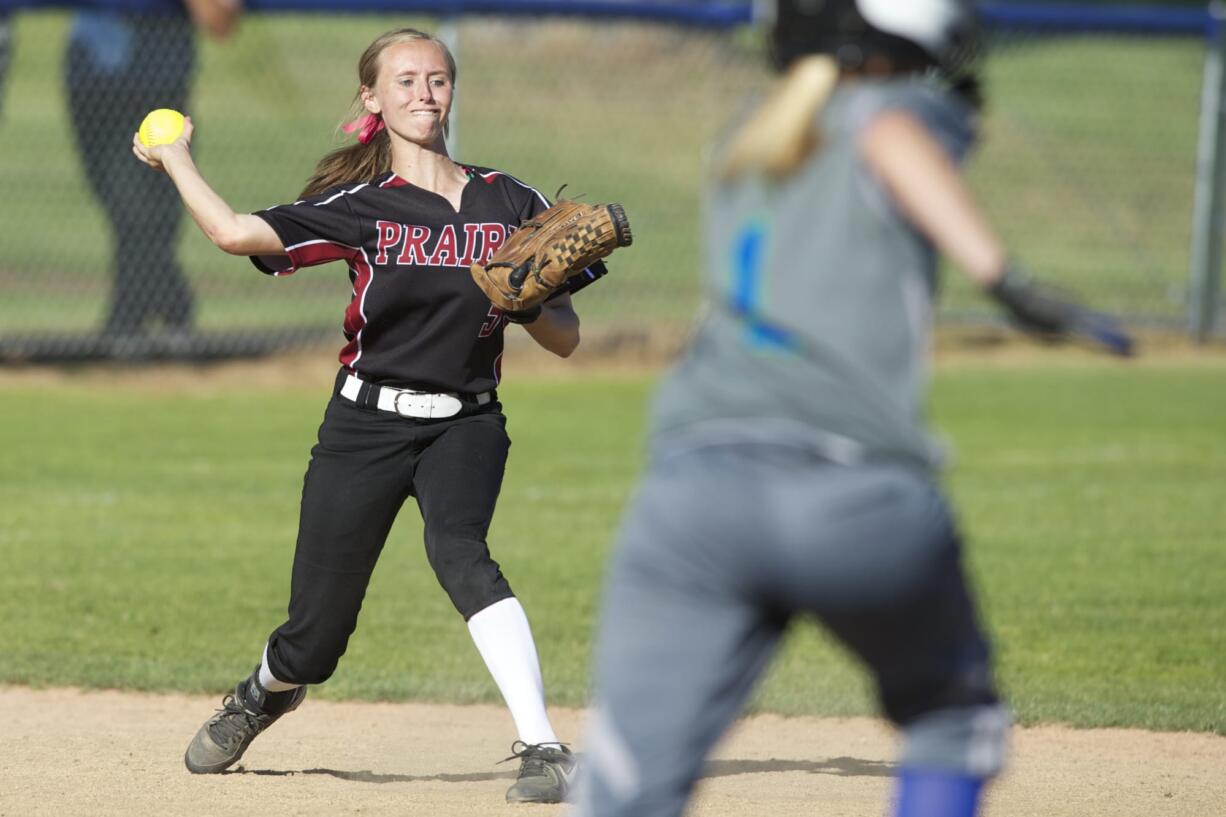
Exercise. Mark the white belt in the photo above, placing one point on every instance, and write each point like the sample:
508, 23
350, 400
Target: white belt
409, 403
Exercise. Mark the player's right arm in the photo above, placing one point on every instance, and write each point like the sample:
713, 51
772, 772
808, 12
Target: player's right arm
235, 233
928, 190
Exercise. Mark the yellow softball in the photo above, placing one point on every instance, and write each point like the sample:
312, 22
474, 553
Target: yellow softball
161, 127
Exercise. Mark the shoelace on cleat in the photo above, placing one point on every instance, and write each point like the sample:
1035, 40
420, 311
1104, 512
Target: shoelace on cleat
533, 766
535, 760
234, 723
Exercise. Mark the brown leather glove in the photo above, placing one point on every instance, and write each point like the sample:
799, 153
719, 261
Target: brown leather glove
549, 248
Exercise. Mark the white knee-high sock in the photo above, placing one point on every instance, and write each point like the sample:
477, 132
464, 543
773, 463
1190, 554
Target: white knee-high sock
504, 639
270, 681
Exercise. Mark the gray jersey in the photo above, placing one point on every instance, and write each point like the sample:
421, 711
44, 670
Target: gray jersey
815, 338
820, 296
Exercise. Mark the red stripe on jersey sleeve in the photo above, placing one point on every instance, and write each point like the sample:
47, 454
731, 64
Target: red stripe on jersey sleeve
310, 253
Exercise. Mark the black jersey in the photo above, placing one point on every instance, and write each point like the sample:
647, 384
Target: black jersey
416, 319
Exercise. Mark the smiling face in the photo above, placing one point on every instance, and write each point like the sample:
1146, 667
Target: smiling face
412, 91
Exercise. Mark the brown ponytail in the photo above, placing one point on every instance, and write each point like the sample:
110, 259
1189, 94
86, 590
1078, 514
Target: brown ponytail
352, 163
359, 162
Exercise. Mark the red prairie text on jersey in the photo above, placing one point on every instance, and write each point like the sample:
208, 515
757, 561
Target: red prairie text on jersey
420, 246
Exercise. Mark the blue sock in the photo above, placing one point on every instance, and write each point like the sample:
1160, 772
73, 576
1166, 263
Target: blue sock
936, 794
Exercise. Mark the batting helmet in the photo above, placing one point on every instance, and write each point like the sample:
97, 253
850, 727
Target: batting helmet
911, 34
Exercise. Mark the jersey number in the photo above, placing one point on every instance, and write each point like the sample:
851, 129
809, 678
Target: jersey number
491, 324
746, 296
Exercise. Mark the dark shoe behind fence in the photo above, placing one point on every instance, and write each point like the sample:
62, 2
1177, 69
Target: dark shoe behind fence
546, 773
244, 714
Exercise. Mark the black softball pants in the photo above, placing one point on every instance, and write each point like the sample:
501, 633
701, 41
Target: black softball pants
365, 465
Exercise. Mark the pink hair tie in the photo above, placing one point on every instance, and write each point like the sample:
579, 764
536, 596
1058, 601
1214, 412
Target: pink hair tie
367, 125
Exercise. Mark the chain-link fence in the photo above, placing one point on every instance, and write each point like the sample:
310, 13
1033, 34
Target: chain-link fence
1087, 167
1088, 162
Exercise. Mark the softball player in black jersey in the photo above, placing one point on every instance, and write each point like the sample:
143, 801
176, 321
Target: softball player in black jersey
414, 411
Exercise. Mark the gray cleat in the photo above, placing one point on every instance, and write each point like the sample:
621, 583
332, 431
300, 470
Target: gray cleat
546, 773
246, 713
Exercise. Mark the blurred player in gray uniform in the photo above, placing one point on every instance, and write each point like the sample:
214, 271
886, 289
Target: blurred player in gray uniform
791, 472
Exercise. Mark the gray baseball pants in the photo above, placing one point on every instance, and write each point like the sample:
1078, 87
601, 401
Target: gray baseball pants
722, 546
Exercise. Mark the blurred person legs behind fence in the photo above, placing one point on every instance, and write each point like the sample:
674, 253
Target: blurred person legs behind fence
118, 67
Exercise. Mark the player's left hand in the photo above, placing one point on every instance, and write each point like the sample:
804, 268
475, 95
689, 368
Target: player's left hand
154, 155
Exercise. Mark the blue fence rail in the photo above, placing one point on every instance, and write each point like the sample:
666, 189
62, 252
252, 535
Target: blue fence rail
1079, 18
702, 14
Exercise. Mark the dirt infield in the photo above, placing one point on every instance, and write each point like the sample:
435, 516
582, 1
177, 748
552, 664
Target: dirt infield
69, 753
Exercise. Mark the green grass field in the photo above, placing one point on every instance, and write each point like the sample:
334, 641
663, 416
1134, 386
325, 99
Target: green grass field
1087, 166
147, 540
